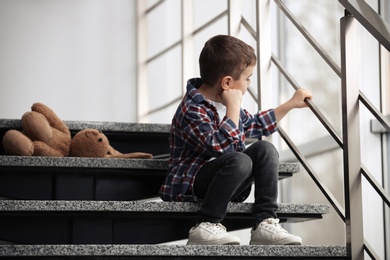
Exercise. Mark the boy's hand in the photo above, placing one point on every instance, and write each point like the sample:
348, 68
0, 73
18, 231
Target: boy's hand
298, 99
230, 98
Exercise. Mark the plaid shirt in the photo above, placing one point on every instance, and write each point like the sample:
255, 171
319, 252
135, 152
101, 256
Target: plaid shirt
197, 135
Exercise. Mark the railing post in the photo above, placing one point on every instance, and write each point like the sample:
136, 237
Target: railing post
142, 77
234, 17
187, 53
264, 52
350, 63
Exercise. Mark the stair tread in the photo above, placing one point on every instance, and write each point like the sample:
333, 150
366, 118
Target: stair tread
174, 250
99, 125
111, 163
147, 206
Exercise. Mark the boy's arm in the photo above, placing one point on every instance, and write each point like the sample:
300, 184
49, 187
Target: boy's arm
232, 99
201, 134
296, 101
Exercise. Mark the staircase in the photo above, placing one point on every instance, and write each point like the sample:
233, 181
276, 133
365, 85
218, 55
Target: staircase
96, 208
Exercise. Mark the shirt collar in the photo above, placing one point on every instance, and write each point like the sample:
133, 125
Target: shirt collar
192, 90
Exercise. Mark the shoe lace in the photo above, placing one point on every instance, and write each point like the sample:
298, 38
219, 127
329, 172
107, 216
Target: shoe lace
273, 225
215, 227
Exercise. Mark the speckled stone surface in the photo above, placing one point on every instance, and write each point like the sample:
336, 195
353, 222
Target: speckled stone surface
172, 250
103, 126
64, 162
146, 206
156, 164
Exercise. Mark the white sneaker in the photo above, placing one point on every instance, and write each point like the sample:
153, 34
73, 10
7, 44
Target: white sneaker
269, 232
207, 233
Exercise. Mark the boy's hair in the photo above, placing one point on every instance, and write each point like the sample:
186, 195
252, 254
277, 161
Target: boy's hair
224, 55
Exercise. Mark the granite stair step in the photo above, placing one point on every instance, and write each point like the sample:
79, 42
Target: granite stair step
120, 222
173, 252
75, 178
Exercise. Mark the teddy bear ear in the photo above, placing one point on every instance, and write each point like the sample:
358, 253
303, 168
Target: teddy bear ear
91, 132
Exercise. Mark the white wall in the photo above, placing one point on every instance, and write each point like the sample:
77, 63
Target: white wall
77, 56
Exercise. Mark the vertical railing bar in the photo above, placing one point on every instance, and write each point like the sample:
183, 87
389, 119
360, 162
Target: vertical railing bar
350, 63
310, 103
258, 50
378, 188
310, 38
381, 118
264, 49
327, 193
142, 78
234, 17
187, 42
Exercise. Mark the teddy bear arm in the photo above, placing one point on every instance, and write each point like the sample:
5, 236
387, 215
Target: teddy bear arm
51, 117
36, 127
134, 155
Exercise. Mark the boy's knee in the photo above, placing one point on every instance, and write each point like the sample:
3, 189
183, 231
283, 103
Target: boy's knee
266, 147
241, 163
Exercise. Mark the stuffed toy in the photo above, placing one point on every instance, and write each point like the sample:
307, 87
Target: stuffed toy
45, 134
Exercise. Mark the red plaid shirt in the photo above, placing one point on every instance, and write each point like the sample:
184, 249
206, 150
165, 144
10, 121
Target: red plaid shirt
197, 135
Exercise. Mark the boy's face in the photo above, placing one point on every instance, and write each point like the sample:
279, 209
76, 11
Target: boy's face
244, 81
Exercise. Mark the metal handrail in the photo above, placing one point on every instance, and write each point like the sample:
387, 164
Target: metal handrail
372, 21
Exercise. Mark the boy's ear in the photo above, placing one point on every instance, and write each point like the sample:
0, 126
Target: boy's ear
225, 82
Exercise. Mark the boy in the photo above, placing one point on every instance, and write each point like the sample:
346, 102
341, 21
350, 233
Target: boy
209, 162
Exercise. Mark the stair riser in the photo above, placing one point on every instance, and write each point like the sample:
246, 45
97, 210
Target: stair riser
129, 228
79, 184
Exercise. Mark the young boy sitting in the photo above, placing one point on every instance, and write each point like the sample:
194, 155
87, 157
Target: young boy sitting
209, 162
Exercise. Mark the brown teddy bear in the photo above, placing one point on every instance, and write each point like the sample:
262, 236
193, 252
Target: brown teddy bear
45, 134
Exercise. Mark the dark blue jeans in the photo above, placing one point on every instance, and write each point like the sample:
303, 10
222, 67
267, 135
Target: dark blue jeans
229, 178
